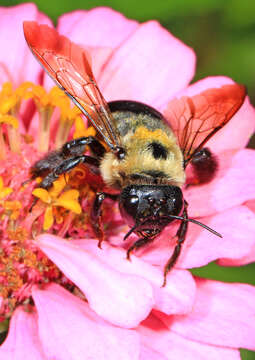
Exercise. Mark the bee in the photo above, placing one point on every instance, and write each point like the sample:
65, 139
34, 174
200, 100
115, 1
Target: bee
144, 158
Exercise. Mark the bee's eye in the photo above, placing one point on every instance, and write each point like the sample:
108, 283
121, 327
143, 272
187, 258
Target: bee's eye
131, 204
128, 207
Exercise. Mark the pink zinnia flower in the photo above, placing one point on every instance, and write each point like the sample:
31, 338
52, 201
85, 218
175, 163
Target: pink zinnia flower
82, 302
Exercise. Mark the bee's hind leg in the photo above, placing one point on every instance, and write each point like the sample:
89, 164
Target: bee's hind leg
77, 147
66, 166
46, 166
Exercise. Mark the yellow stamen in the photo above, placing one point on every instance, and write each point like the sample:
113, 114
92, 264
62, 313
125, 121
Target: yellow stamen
68, 200
4, 191
48, 218
42, 194
81, 129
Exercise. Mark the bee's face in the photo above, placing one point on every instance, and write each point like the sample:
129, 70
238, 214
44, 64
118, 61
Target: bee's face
148, 206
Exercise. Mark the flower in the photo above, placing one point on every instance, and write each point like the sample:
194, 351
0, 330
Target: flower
67, 298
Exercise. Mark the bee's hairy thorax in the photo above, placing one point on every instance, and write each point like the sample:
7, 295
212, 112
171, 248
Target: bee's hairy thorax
152, 153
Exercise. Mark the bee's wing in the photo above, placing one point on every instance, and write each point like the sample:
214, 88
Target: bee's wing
68, 65
196, 119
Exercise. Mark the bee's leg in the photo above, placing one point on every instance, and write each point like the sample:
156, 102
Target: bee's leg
95, 215
138, 244
205, 166
70, 150
66, 166
77, 147
181, 235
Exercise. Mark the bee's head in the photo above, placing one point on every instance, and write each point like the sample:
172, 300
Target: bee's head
147, 207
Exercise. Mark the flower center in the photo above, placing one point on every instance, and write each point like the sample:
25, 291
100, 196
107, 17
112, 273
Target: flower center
62, 210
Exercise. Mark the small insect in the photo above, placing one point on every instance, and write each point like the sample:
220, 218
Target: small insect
144, 159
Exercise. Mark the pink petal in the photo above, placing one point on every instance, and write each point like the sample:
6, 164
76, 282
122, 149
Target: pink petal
150, 66
223, 315
17, 64
157, 336
122, 299
238, 131
22, 338
70, 330
101, 27
148, 353
237, 227
233, 185
99, 30
176, 297
250, 257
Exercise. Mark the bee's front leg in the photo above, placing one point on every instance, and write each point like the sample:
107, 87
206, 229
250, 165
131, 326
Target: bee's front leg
96, 212
138, 244
181, 236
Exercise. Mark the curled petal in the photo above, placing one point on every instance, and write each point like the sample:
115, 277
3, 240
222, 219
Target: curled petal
22, 337
70, 330
176, 297
158, 337
223, 315
123, 299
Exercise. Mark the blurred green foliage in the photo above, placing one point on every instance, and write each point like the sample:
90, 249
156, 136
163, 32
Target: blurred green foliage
222, 34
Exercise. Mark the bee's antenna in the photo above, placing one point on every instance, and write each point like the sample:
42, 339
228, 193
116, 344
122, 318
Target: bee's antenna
197, 223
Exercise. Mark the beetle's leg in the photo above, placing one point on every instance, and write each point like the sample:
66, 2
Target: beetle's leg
181, 235
138, 244
96, 212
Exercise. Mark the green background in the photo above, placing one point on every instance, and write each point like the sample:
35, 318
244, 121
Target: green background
222, 34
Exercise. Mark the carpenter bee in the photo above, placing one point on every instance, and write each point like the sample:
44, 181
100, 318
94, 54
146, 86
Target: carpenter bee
144, 158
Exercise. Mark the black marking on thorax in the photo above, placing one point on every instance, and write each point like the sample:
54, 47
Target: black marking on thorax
158, 150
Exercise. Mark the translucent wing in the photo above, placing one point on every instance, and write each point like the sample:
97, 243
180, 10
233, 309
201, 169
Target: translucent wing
68, 66
196, 119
